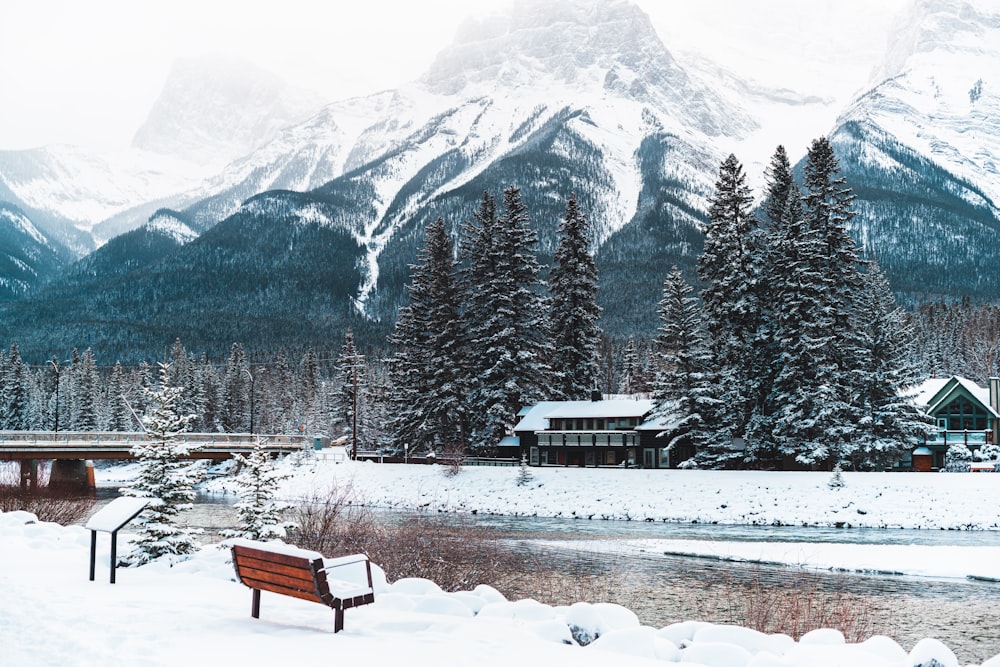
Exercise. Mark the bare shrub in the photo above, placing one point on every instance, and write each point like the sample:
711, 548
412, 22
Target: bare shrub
61, 506
333, 523
803, 605
456, 556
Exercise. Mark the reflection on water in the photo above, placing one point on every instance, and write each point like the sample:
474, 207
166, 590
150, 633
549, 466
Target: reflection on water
664, 589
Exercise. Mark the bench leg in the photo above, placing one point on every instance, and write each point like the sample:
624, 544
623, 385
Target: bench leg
255, 605
338, 622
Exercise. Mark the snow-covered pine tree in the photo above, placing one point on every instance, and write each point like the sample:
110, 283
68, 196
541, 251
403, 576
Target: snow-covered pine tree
524, 475
118, 417
430, 385
730, 302
891, 422
408, 382
814, 394
573, 288
85, 392
15, 391
836, 480
258, 512
235, 406
781, 203
508, 332
630, 367
683, 391
477, 280
350, 370
164, 477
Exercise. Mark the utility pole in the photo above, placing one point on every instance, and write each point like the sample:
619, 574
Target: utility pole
354, 410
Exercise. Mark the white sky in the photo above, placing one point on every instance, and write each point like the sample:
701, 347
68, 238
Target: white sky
86, 73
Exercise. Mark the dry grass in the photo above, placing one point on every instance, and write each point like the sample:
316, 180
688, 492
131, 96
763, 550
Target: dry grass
456, 557
60, 506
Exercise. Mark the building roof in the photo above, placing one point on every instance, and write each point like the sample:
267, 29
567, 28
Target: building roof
535, 418
934, 392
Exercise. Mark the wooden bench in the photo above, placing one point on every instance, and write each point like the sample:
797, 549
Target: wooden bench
302, 574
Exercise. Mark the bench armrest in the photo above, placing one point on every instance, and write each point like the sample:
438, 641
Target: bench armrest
331, 563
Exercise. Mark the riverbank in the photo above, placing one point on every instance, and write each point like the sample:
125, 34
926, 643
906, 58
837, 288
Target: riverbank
193, 612
948, 501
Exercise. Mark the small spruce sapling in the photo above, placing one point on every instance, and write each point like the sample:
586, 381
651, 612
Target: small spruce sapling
524, 475
259, 513
837, 480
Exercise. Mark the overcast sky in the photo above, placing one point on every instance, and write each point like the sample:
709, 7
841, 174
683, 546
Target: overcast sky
86, 73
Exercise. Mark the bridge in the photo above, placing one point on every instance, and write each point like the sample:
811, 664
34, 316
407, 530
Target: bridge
70, 450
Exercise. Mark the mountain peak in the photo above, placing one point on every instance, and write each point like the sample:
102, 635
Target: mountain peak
929, 28
564, 40
214, 109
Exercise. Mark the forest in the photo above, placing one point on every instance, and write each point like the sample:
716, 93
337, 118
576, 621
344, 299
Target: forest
484, 333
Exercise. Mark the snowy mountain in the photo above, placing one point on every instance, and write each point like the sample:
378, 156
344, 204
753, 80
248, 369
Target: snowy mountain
556, 97
212, 110
921, 148
27, 257
215, 109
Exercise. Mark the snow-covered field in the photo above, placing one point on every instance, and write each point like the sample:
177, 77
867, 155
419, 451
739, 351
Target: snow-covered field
195, 612
878, 500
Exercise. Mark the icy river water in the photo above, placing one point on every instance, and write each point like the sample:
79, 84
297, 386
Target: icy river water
662, 589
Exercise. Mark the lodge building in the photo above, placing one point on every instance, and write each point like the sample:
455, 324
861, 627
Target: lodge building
616, 432
621, 432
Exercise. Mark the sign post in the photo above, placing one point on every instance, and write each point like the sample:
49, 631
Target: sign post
110, 519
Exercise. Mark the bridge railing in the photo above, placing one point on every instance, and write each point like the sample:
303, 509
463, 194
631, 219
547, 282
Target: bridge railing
112, 438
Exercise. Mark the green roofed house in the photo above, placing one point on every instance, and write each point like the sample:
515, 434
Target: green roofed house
964, 413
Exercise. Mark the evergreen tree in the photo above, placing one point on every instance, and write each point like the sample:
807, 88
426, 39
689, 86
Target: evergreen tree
815, 391
573, 287
730, 300
85, 394
236, 393
164, 477
258, 512
630, 367
430, 403
683, 391
891, 423
118, 416
15, 392
350, 369
510, 347
781, 207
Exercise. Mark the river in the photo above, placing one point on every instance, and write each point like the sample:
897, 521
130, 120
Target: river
663, 589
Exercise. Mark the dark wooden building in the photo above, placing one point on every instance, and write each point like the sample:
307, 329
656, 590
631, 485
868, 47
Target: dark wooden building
615, 432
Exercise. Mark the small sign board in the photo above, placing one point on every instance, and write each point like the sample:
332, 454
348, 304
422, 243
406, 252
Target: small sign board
110, 519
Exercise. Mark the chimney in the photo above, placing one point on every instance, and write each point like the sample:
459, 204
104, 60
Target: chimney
595, 394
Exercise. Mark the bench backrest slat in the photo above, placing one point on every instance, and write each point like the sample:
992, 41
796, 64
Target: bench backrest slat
282, 573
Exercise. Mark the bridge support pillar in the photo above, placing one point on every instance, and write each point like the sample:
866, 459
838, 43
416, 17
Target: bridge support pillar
29, 475
71, 475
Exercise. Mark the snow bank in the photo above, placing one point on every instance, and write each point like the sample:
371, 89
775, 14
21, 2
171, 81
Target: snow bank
195, 612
